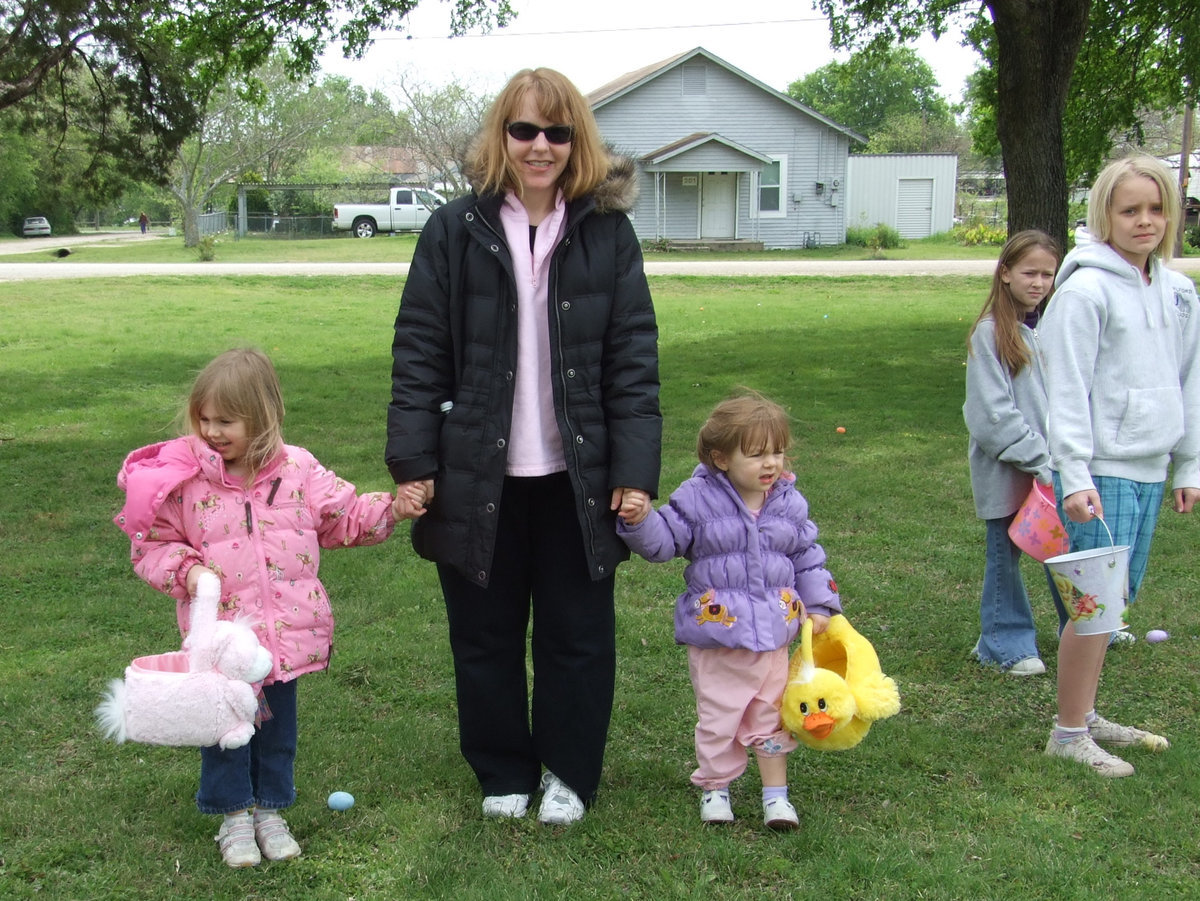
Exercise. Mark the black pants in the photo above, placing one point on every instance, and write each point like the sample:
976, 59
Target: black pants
539, 566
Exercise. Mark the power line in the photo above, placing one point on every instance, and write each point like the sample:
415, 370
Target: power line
502, 33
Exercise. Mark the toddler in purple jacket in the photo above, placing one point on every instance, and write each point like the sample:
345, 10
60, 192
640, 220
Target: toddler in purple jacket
754, 572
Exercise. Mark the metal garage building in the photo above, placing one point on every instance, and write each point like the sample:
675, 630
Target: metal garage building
911, 192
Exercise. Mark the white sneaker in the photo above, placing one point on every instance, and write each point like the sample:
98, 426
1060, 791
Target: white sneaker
715, 807
274, 838
1121, 636
1084, 750
1101, 729
236, 840
505, 806
778, 813
1030, 666
560, 805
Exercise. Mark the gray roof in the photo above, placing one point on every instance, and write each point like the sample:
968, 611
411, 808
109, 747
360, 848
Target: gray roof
628, 82
661, 155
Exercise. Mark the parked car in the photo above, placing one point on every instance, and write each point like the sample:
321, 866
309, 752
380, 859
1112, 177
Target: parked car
35, 227
408, 208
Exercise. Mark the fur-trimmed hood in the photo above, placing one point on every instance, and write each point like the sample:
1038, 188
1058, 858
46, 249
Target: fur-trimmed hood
615, 194
619, 190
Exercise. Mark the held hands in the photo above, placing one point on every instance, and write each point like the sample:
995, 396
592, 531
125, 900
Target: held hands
411, 498
631, 504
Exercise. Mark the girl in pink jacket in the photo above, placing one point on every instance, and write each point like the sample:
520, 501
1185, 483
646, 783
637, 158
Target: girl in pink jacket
232, 498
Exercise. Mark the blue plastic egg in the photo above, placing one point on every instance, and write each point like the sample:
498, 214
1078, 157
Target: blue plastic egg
340, 801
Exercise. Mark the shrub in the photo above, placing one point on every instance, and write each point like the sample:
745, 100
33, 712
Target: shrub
974, 235
877, 236
1191, 235
207, 248
885, 237
656, 245
857, 235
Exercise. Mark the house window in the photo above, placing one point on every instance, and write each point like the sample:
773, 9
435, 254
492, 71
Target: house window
769, 193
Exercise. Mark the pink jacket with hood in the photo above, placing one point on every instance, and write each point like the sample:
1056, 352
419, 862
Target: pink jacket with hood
181, 509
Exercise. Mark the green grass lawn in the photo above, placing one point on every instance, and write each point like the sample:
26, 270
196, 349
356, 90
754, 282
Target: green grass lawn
951, 799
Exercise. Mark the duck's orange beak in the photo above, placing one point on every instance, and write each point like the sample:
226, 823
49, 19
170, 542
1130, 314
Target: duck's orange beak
819, 724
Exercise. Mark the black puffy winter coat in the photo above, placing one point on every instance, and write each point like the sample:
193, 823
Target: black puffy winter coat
456, 341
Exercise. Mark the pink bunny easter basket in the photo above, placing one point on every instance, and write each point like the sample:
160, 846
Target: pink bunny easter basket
197, 697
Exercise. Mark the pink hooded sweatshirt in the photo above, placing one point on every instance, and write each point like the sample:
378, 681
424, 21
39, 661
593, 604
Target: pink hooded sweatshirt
181, 509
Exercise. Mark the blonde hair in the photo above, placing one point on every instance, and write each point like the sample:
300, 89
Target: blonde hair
560, 102
1099, 219
242, 384
749, 422
1000, 305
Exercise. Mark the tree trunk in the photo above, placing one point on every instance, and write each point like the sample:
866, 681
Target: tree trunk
1037, 42
191, 227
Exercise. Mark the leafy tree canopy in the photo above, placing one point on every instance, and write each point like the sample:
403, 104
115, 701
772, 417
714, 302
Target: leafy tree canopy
1112, 55
136, 76
1131, 67
875, 89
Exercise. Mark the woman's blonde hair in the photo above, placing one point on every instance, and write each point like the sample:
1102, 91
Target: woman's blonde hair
1001, 307
749, 422
559, 102
242, 384
1099, 219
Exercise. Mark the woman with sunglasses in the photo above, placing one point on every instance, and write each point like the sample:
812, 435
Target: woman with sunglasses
524, 418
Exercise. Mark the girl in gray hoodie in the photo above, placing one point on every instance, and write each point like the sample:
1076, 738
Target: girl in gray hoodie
1005, 413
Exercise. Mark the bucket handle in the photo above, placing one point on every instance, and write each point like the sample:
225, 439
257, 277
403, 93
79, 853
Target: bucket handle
1112, 562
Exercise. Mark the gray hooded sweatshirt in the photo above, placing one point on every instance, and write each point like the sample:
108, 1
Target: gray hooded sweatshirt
1006, 419
1121, 371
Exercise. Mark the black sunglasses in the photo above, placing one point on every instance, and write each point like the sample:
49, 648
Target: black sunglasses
527, 131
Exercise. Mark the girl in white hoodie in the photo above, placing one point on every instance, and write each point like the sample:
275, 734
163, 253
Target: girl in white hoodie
1121, 341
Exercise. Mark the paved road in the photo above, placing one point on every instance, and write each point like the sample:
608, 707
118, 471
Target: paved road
60, 269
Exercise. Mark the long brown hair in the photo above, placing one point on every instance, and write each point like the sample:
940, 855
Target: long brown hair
560, 102
242, 384
1000, 305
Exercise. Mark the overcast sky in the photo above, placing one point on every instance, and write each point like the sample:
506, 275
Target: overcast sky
593, 43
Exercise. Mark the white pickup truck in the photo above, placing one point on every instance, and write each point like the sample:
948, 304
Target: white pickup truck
407, 209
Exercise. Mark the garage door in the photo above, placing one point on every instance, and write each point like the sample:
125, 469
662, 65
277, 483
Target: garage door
914, 207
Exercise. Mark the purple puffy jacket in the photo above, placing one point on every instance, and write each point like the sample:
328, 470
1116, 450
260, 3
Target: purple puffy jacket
745, 572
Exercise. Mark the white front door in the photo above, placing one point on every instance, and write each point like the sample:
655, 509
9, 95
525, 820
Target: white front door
718, 205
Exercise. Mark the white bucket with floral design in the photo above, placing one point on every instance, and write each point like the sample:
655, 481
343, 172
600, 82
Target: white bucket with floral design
1094, 587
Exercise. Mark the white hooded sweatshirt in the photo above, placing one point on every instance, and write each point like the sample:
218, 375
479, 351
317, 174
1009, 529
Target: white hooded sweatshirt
1121, 371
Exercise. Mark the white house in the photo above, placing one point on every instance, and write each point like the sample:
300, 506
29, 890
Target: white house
911, 192
724, 158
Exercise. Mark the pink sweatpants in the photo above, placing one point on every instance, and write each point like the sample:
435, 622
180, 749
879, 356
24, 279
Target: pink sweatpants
737, 707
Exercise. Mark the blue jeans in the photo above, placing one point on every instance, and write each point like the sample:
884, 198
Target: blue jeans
258, 774
1007, 633
1130, 512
